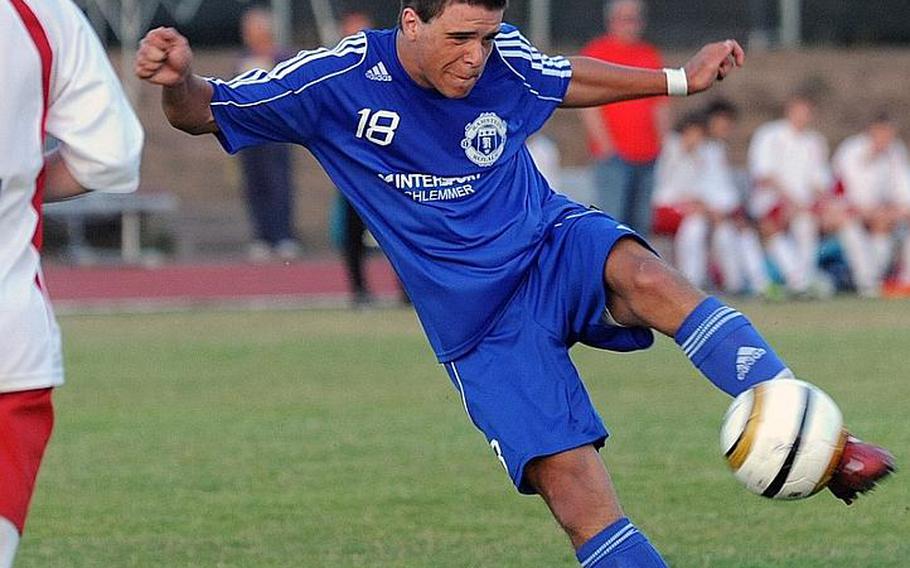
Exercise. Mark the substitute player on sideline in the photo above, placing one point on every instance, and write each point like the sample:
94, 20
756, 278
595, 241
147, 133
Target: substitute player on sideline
423, 128
62, 86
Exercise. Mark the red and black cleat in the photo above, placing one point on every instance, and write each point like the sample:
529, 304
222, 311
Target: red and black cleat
861, 467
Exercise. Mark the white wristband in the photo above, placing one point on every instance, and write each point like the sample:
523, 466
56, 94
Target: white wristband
677, 83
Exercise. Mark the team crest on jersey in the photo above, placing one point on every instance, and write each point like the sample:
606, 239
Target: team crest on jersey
485, 139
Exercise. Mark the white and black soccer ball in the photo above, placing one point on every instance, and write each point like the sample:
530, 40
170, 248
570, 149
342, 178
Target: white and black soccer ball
783, 438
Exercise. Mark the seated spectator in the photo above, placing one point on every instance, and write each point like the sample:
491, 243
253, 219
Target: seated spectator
874, 174
788, 162
735, 245
679, 207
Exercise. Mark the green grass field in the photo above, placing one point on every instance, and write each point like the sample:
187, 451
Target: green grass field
332, 439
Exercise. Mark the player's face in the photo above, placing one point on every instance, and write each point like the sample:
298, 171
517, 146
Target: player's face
799, 113
882, 135
257, 33
721, 126
449, 52
692, 137
626, 21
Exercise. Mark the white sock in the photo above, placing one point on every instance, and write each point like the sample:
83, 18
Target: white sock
753, 258
904, 275
881, 252
691, 249
723, 245
862, 264
783, 253
805, 233
9, 541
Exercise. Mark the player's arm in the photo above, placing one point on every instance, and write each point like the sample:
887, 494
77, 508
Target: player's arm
596, 83
59, 182
99, 138
165, 58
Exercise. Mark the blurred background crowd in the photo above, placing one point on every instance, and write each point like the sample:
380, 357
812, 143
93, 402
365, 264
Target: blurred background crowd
790, 181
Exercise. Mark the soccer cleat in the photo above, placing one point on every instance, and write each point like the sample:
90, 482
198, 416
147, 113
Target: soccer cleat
861, 467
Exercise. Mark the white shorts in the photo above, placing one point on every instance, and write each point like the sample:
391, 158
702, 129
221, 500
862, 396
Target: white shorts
30, 348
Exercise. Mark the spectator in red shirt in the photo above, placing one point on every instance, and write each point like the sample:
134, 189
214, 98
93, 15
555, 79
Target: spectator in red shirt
624, 139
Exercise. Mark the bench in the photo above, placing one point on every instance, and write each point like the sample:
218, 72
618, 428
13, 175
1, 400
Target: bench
131, 208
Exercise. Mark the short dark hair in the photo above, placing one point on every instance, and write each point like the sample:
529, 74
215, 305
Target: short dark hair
692, 119
723, 107
429, 9
882, 116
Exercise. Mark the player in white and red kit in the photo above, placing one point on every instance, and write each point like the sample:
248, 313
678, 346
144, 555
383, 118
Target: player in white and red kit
788, 162
679, 198
62, 86
874, 170
735, 244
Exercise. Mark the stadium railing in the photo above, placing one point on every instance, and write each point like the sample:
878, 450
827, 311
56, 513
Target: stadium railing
132, 210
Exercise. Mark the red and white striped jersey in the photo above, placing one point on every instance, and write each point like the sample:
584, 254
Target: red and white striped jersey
59, 83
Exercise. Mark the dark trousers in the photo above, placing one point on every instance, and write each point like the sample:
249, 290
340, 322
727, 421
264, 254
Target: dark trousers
354, 249
269, 193
624, 191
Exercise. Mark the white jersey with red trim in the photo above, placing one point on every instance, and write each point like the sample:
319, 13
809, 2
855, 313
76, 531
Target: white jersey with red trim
678, 178
873, 179
61, 85
796, 161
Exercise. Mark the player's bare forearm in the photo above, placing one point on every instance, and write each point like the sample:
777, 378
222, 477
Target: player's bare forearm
187, 106
597, 83
165, 58
59, 183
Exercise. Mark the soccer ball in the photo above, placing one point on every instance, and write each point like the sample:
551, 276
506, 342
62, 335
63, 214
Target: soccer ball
783, 438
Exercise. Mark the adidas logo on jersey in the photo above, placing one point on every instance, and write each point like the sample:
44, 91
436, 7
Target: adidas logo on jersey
378, 72
746, 358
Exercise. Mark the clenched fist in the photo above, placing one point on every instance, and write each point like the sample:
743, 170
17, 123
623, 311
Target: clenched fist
164, 58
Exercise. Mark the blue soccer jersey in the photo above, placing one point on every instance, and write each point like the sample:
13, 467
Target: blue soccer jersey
446, 186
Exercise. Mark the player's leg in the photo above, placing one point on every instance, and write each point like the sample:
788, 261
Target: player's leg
837, 219
280, 196
26, 421
904, 274
753, 258
354, 253
881, 251
642, 192
579, 492
691, 248
774, 227
254, 170
577, 489
720, 342
724, 250
521, 389
862, 265
613, 178
804, 227
645, 291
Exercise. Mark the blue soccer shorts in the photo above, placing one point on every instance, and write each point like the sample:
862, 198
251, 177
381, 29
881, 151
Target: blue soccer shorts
519, 386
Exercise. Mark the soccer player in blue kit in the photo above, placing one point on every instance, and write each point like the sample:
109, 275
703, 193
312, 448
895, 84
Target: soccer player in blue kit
423, 128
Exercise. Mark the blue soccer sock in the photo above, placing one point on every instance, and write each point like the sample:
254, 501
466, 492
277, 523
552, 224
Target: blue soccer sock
727, 349
620, 545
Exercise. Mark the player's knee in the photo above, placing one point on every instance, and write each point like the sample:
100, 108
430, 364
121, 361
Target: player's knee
653, 277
